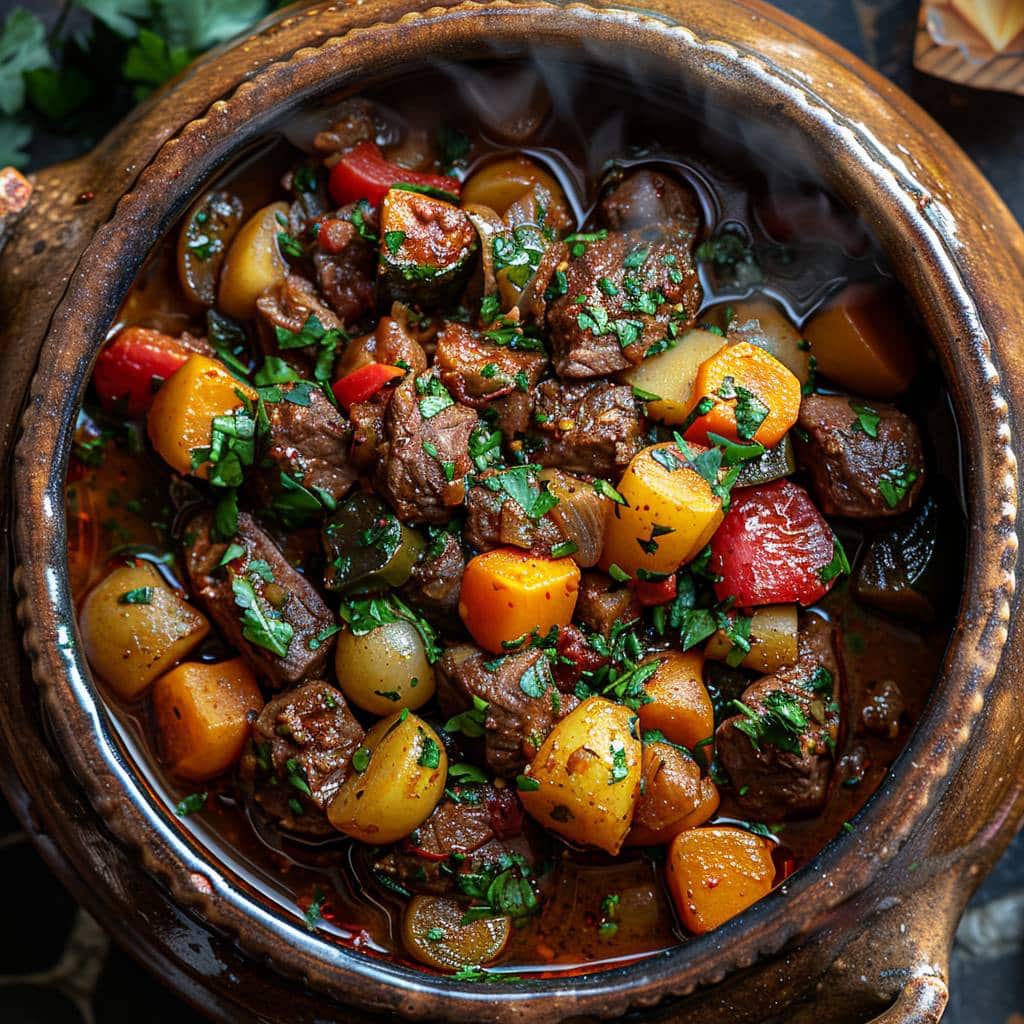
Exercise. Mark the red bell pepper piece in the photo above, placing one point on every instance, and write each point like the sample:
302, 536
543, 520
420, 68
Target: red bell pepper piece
654, 592
361, 384
363, 173
133, 366
773, 547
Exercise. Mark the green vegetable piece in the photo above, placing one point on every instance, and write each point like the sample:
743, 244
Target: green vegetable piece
367, 548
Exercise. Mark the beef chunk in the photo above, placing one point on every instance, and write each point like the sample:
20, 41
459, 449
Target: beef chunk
389, 342
495, 519
288, 597
638, 289
648, 198
308, 442
355, 122
477, 372
461, 837
434, 585
852, 472
301, 746
602, 603
591, 427
346, 262
883, 711
523, 703
367, 419
672, 788
425, 459
288, 306
779, 755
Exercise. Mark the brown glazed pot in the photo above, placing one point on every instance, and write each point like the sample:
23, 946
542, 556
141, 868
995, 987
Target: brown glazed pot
864, 928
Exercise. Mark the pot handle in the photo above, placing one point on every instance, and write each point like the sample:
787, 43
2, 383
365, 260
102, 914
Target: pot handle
922, 1001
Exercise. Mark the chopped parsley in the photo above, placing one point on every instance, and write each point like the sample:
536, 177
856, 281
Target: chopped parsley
261, 626
470, 723
867, 419
779, 723
191, 804
894, 484
838, 566
393, 240
430, 752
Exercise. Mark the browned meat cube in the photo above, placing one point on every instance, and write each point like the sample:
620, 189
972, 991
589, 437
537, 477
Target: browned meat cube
588, 427
277, 592
434, 585
494, 518
461, 837
308, 441
425, 458
864, 459
779, 753
301, 746
624, 294
647, 198
477, 371
523, 702
602, 603
289, 306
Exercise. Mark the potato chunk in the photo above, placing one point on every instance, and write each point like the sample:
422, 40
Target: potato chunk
670, 375
181, 417
203, 713
134, 627
669, 516
679, 707
395, 782
584, 782
254, 262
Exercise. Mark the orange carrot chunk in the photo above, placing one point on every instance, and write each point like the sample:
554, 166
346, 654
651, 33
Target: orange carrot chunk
716, 873
743, 393
507, 594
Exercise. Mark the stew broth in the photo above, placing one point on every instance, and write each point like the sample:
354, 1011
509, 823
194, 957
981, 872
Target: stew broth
769, 228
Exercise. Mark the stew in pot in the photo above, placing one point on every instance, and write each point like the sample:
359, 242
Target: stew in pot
521, 554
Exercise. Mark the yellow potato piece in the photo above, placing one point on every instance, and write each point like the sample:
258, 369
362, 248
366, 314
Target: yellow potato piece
253, 263
183, 411
587, 774
399, 786
434, 934
135, 627
202, 715
670, 375
386, 669
773, 644
678, 500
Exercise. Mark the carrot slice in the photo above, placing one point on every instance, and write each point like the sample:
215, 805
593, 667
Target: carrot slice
743, 393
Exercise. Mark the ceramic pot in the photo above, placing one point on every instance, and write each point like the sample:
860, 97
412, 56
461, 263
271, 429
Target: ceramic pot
864, 928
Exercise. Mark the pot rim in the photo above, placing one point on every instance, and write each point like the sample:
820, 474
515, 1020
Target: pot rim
917, 231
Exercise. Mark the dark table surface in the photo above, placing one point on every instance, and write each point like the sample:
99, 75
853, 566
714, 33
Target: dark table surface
58, 966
